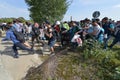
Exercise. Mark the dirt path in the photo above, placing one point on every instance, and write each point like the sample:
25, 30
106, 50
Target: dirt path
15, 69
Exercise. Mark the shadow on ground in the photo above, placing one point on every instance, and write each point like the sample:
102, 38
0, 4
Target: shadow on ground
9, 52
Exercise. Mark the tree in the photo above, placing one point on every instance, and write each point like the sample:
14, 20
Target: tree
21, 19
6, 20
40, 10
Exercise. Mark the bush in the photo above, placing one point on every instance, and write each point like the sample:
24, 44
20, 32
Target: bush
107, 61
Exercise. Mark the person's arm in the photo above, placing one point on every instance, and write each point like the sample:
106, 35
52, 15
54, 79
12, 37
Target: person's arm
94, 31
79, 31
49, 35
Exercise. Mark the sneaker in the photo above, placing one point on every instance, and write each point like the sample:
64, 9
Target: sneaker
16, 56
52, 53
32, 52
110, 47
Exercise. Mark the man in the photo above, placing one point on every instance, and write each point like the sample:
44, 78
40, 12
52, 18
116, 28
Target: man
74, 29
16, 43
117, 37
51, 38
109, 29
66, 26
35, 33
17, 25
95, 29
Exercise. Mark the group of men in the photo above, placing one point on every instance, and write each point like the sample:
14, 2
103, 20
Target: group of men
16, 31
99, 30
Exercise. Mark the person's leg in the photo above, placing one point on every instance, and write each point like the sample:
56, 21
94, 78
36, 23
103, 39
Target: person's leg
81, 36
33, 38
41, 40
27, 44
23, 47
106, 42
62, 39
114, 42
37, 39
51, 44
15, 51
27, 36
52, 50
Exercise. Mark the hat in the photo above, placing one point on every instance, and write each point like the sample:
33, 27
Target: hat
105, 18
57, 22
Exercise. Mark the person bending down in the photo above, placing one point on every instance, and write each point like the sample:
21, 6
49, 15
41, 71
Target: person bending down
16, 43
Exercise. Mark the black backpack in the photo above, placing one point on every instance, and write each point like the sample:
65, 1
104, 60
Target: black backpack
19, 36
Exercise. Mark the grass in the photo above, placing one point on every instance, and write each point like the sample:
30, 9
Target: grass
90, 62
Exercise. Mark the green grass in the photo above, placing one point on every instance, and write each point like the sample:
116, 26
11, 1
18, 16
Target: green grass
90, 62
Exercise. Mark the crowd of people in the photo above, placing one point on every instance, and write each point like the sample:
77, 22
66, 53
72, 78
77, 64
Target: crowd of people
71, 33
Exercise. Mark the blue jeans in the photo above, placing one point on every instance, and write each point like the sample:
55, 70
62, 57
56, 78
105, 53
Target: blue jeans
21, 46
106, 41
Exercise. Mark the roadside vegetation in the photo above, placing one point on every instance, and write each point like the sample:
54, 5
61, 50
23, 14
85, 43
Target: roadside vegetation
89, 62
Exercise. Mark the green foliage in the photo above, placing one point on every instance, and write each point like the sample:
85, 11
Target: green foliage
41, 10
107, 61
91, 62
71, 67
6, 20
21, 19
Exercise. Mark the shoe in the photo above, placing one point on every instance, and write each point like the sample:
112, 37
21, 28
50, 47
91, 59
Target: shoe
52, 53
31, 47
16, 56
110, 47
32, 52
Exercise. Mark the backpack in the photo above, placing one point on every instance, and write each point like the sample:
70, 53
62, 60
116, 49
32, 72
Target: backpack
101, 32
19, 36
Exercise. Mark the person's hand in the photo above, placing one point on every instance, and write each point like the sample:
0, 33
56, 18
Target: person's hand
64, 31
84, 33
76, 33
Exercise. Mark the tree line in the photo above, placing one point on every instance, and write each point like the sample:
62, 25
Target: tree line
5, 20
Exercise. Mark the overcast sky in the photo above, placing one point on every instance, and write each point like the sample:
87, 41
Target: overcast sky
79, 9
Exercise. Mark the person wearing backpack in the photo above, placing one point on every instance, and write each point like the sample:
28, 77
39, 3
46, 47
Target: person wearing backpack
109, 30
16, 43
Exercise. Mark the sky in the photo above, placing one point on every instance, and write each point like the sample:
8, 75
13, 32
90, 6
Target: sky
79, 9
